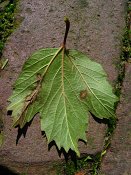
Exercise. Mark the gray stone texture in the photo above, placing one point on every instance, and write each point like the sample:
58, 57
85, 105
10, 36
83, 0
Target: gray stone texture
118, 159
96, 29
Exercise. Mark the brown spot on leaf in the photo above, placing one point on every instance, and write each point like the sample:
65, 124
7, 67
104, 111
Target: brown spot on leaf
83, 94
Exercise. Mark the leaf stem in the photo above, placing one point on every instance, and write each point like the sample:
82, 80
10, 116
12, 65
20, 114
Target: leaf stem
66, 31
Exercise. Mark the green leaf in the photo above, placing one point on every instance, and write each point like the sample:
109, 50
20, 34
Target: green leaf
3, 63
1, 138
63, 86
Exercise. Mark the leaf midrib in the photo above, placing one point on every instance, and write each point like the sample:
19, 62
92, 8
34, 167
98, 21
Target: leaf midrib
64, 95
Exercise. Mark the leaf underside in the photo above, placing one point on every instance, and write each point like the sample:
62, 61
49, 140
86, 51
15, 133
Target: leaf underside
63, 86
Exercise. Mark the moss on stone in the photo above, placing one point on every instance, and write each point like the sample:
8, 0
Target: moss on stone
7, 11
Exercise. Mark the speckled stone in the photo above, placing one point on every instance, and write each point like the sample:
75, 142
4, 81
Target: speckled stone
118, 159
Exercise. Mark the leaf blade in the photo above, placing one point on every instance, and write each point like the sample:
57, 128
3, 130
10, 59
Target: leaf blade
63, 86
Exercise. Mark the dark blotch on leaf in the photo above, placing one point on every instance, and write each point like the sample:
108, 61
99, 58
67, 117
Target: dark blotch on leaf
83, 94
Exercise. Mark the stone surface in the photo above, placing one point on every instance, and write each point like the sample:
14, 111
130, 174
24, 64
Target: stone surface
118, 159
96, 29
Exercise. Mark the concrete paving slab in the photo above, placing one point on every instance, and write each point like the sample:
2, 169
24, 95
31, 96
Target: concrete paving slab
96, 29
118, 159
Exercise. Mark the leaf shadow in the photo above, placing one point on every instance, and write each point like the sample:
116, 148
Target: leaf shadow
111, 122
6, 171
9, 112
98, 120
22, 131
70, 155
53, 144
